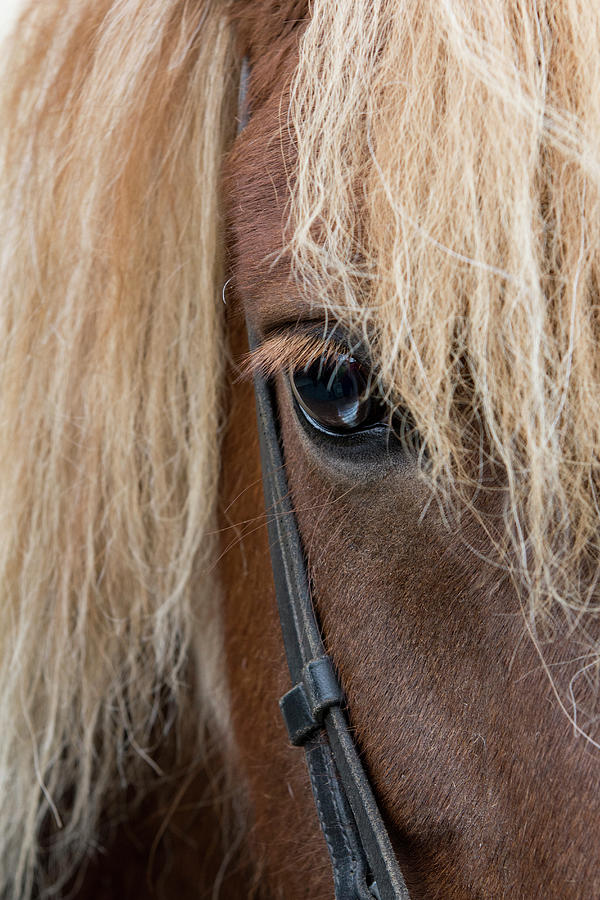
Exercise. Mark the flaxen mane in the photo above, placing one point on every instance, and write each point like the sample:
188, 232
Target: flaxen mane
445, 200
111, 364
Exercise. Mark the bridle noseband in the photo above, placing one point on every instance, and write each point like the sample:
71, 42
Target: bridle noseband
363, 861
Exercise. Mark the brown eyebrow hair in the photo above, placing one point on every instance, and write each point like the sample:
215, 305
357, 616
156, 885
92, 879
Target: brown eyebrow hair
287, 351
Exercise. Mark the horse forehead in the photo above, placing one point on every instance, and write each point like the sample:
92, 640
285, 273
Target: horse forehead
267, 35
257, 178
263, 24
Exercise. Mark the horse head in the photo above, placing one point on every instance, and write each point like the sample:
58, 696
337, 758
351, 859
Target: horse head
384, 215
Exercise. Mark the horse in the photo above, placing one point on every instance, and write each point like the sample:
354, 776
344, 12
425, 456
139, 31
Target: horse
385, 214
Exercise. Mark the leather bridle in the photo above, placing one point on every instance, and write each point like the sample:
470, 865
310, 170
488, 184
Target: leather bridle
363, 861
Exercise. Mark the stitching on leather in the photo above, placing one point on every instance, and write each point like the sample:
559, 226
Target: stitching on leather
336, 800
324, 825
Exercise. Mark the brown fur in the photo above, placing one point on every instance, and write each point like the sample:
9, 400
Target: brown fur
284, 832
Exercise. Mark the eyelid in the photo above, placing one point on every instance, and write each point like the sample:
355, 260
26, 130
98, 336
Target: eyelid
292, 350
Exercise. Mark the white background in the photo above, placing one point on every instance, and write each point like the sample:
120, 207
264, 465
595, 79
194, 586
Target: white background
8, 11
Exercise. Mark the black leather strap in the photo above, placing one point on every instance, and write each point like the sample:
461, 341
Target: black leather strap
364, 865
363, 861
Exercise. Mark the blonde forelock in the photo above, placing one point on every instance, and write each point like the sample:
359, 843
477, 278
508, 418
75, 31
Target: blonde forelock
447, 203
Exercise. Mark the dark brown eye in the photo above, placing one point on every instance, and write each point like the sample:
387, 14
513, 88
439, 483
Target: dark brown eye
335, 395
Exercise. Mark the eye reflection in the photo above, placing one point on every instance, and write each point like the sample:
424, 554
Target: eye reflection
335, 395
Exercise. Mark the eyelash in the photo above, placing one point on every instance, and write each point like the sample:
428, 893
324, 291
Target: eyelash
286, 351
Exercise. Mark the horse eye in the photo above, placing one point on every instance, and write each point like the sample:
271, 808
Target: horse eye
336, 395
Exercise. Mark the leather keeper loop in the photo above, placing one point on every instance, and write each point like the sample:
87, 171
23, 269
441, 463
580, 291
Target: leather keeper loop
304, 706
